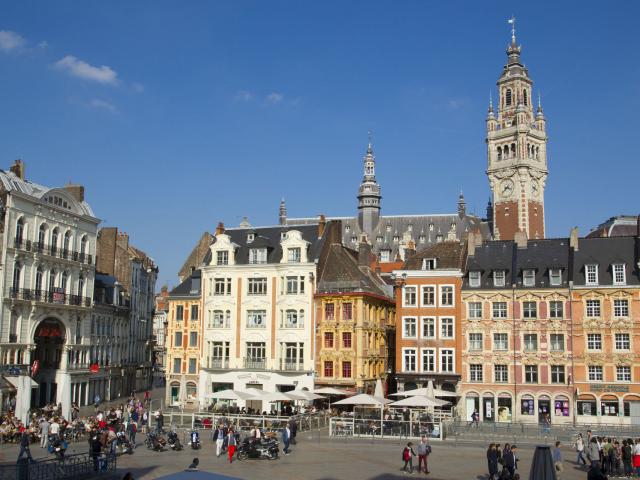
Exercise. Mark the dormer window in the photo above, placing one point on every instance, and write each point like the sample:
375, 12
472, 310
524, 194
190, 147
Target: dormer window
250, 237
293, 255
499, 278
222, 257
347, 228
428, 263
431, 227
258, 255
438, 238
422, 238
529, 278
555, 276
384, 255
388, 227
410, 227
619, 274
591, 274
354, 239
474, 279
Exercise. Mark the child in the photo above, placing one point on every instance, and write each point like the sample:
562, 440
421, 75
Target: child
407, 456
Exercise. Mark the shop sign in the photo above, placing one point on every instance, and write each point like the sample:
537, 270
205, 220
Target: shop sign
609, 388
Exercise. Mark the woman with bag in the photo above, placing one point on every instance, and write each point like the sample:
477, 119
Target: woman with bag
231, 443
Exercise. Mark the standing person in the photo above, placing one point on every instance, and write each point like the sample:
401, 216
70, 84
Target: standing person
132, 429
492, 461
557, 460
605, 457
231, 443
159, 421
407, 456
475, 418
627, 452
24, 445
423, 450
218, 437
44, 432
293, 426
593, 452
580, 450
286, 438
511, 460
636, 457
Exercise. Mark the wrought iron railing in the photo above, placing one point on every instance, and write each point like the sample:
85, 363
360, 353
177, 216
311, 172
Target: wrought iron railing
219, 363
77, 466
257, 363
291, 365
52, 297
53, 251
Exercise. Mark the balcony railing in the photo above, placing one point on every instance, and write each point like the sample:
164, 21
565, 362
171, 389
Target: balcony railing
291, 365
215, 324
219, 363
298, 324
53, 251
56, 298
80, 366
255, 363
256, 325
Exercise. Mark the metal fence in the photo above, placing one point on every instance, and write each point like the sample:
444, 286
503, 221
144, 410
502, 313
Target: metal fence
389, 429
72, 466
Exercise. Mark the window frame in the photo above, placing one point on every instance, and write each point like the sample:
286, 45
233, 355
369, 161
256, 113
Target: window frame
558, 275
450, 324
552, 343
614, 273
596, 340
554, 376
591, 269
408, 322
497, 343
430, 352
529, 372
595, 373
406, 354
475, 278
621, 310
527, 311
553, 310
528, 340
475, 344
528, 277
431, 323
501, 370
592, 308
497, 281
432, 294
474, 310
444, 290
450, 353
476, 370
406, 291
627, 374
618, 343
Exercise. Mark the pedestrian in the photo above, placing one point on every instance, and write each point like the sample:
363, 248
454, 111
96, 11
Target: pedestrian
605, 457
54, 428
492, 461
24, 445
546, 424
231, 443
293, 426
557, 460
475, 418
580, 450
159, 422
407, 457
627, 454
511, 460
593, 452
636, 457
595, 473
423, 449
286, 438
218, 437
132, 429
44, 432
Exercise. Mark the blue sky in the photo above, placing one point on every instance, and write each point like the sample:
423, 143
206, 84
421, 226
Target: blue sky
177, 115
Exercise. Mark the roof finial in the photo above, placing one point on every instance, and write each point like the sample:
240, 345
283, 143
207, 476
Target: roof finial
512, 22
490, 101
539, 101
369, 147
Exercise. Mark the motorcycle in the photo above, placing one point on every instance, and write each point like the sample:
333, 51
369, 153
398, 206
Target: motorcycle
195, 440
251, 448
57, 446
174, 442
153, 441
123, 442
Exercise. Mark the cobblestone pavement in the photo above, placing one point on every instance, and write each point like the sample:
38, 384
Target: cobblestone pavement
316, 456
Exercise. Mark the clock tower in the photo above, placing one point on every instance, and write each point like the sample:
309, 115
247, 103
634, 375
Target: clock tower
517, 152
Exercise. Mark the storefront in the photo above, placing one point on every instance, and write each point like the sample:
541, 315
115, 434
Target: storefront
505, 407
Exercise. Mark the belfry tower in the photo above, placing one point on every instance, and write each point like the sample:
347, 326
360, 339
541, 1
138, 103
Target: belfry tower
517, 152
369, 195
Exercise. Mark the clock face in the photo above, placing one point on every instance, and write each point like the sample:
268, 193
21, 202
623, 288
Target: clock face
506, 188
535, 188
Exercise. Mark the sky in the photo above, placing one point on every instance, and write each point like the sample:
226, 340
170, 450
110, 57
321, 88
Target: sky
176, 115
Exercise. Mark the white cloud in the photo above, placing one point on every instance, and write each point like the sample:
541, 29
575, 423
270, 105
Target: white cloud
103, 104
10, 41
78, 68
244, 96
274, 98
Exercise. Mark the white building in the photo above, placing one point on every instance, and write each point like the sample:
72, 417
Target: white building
47, 276
258, 287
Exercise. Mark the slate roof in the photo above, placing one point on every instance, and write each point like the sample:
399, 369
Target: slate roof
604, 252
191, 287
448, 255
270, 238
618, 226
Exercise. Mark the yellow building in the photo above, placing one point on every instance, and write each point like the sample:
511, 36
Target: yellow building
355, 316
183, 342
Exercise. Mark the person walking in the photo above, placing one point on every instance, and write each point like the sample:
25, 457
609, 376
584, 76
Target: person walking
492, 461
593, 452
54, 428
44, 432
626, 454
557, 460
475, 418
293, 426
580, 450
231, 443
511, 460
286, 438
132, 429
407, 457
24, 445
423, 449
636, 457
218, 437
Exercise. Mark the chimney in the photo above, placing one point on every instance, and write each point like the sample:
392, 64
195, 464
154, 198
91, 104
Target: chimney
521, 239
471, 244
76, 191
220, 228
322, 223
573, 239
364, 251
18, 169
410, 250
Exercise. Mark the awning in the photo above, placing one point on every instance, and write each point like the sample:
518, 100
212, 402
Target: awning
15, 381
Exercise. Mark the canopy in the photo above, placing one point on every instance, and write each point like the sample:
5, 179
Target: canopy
379, 392
304, 395
425, 392
231, 395
419, 401
272, 396
332, 391
364, 399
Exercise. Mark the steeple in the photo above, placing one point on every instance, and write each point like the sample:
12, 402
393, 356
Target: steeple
369, 194
282, 214
462, 205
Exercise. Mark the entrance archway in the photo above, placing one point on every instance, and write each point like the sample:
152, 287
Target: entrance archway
49, 339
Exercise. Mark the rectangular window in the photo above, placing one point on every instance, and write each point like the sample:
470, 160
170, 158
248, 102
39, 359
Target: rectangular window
409, 296
428, 296
528, 278
346, 339
329, 311
328, 339
256, 318
531, 374
595, 373
347, 311
619, 276
222, 257
222, 286
557, 374
591, 274
622, 341
346, 369
475, 341
556, 342
409, 327
530, 342
292, 285
179, 313
530, 309
475, 309
193, 339
446, 360
499, 278
428, 327
409, 360
218, 319
385, 255
623, 374
428, 360
594, 341
194, 312
178, 340
429, 264
620, 308
257, 286
556, 309
294, 255
177, 365
256, 351
499, 310
446, 328
258, 255
555, 276
500, 341
501, 373
593, 308
474, 279
192, 365
328, 368
446, 296
475, 372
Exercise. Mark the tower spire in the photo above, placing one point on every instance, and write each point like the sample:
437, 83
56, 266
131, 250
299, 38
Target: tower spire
282, 214
369, 194
512, 22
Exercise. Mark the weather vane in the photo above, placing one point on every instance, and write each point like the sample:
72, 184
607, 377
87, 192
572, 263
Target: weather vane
512, 22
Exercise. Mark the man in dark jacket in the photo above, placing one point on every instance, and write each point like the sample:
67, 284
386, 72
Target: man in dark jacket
511, 460
24, 445
293, 428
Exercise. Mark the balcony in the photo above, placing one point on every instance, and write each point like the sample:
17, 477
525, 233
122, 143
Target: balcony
52, 251
289, 365
255, 363
15, 369
80, 366
218, 363
297, 324
215, 324
55, 298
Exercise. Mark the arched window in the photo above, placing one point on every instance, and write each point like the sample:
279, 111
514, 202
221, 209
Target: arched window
499, 153
17, 273
63, 281
19, 230
42, 235
83, 245
54, 239
81, 286
508, 96
513, 149
537, 153
38, 280
52, 280
525, 98
67, 242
